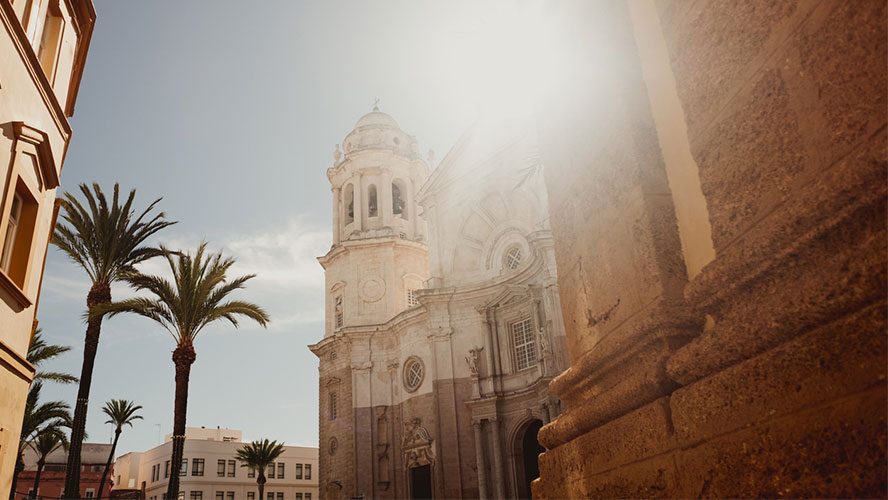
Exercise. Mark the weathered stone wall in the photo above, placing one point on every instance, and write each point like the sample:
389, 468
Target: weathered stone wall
763, 374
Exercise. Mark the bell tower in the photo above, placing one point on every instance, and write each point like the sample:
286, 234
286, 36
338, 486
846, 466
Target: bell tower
379, 255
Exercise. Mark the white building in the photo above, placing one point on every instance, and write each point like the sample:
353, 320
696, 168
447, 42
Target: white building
210, 471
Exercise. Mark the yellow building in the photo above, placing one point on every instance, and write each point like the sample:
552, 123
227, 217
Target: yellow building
42, 56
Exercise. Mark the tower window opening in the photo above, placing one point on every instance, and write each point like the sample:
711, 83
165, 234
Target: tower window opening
334, 405
371, 201
398, 205
338, 312
411, 298
349, 204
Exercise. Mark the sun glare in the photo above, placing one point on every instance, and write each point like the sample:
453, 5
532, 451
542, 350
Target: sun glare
510, 55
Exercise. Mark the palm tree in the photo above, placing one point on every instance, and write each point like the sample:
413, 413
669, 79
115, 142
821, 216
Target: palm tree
48, 442
184, 307
257, 456
40, 351
39, 419
120, 412
106, 241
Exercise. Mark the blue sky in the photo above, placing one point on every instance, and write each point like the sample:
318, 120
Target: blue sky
230, 111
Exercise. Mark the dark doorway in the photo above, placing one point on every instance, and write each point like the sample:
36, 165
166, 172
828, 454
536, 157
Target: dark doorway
530, 451
421, 483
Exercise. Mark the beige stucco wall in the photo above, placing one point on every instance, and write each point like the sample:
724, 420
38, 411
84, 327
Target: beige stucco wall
34, 134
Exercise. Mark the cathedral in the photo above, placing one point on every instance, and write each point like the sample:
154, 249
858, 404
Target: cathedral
443, 320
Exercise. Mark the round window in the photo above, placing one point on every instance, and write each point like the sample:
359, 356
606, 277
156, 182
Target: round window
513, 258
413, 374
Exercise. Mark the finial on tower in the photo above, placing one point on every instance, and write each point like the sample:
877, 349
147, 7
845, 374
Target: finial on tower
337, 154
376, 104
432, 158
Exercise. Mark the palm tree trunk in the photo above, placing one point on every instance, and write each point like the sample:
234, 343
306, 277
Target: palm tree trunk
183, 357
40, 464
108, 464
261, 482
100, 293
19, 467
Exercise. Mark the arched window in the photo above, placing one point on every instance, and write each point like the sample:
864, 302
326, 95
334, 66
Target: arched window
349, 204
371, 201
398, 205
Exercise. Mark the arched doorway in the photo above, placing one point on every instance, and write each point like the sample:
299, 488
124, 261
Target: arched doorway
528, 456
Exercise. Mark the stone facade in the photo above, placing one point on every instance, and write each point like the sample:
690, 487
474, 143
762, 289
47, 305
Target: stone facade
720, 194
441, 339
43, 49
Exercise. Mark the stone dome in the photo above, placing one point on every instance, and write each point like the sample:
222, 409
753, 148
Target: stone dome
379, 131
378, 119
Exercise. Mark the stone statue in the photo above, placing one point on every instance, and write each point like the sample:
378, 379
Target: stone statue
544, 344
472, 360
337, 155
432, 158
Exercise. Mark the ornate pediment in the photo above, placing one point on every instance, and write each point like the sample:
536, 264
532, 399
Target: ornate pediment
418, 449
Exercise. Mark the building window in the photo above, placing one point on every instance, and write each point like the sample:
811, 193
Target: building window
90, 493
48, 51
280, 470
197, 467
398, 205
337, 311
251, 495
231, 467
270, 471
280, 495
15, 216
181, 495
413, 374
230, 495
184, 470
333, 355
220, 468
371, 201
166, 472
307, 471
334, 445
298, 471
196, 495
513, 258
307, 496
220, 495
334, 405
298, 496
251, 472
522, 339
269, 495
411, 298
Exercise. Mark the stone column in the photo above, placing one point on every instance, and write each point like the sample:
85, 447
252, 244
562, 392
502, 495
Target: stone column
337, 215
359, 202
499, 479
384, 201
479, 460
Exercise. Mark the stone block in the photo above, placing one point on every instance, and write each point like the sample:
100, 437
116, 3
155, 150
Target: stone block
831, 451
